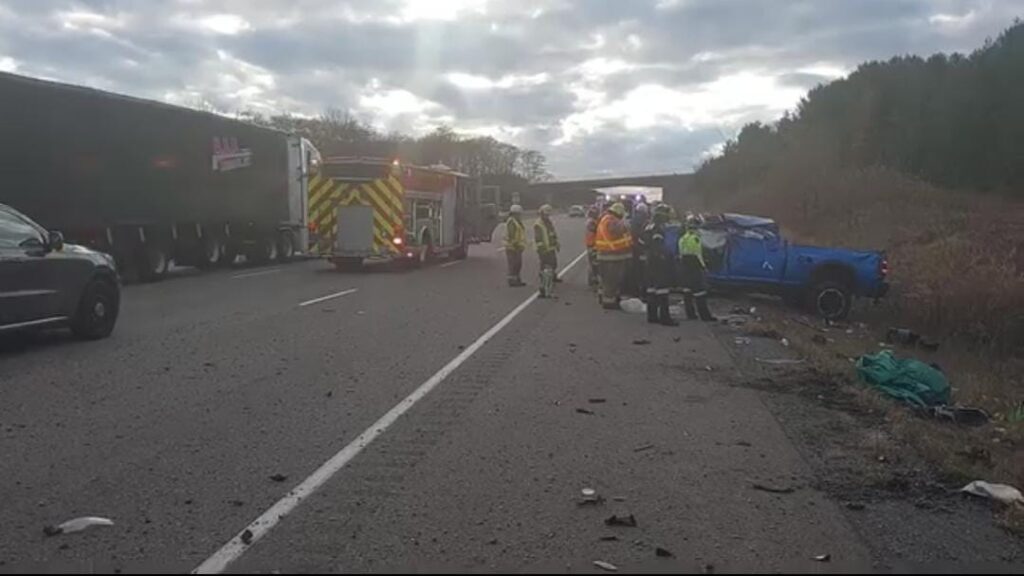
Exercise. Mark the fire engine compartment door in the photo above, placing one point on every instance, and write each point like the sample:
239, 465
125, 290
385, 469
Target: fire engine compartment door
355, 230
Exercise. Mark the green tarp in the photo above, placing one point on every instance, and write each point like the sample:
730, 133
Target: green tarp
906, 379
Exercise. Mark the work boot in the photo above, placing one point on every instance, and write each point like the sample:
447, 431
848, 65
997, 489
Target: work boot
702, 308
691, 312
664, 312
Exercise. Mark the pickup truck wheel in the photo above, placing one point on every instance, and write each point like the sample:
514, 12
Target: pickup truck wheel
831, 300
97, 311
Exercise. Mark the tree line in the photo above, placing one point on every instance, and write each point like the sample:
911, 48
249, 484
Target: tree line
337, 133
955, 121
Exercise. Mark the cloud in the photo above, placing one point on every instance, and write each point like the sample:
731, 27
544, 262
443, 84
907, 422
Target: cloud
600, 86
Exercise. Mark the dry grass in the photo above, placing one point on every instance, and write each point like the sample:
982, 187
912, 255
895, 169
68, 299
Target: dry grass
994, 452
957, 259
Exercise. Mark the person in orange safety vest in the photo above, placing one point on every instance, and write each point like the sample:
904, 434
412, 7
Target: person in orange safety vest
614, 246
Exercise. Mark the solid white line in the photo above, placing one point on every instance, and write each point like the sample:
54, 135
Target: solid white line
328, 297
258, 273
452, 263
259, 528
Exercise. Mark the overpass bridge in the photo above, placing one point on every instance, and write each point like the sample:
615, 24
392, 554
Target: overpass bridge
674, 187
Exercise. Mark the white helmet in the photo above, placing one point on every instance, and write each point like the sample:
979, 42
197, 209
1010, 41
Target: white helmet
515, 209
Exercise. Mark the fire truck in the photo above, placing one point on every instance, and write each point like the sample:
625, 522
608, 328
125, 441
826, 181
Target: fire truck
372, 210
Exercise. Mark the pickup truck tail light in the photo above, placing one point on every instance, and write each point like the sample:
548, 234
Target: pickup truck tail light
883, 267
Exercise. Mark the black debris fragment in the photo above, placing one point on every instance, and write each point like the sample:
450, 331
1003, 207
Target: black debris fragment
247, 537
641, 342
663, 553
584, 411
627, 521
772, 489
278, 477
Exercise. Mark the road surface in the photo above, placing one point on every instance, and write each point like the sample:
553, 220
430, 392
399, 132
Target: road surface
432, 420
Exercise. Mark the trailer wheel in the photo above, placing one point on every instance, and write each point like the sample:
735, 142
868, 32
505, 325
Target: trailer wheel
229, 255
153, 262
211, 253
285, 245
263, 251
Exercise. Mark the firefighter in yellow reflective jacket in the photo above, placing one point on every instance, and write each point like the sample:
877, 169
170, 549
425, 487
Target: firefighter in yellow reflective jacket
546, 239
695, 286
515, 244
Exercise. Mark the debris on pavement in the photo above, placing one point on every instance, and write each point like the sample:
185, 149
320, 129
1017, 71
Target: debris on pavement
597, 400
709, 569
663, 553
823, 558
902, 336
961, 415
780, 361
627, 521
606, 566
590, 498
998, 492
741, 340
610, 538
784, 341
584, 411
743, 443
278, 477
633, 306
855, 506
247, 537
677, 338
906, 379
77, 525
772, 489
619, 498
644, 447
744, 311
641, 342
733, 320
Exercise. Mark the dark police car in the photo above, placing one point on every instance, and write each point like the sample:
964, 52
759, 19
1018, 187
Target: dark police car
46, 283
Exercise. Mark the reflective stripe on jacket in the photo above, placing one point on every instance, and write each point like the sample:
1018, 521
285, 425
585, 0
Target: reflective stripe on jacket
613, 241
515, 235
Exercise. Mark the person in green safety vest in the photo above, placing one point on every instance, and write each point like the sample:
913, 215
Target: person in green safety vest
546, 239
515, 245
695, 286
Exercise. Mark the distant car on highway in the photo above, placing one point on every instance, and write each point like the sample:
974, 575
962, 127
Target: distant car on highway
577, 211
46, 283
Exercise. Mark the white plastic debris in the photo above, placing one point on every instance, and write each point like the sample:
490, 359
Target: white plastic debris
784, 342
634, 306
606, 566
999, 492
77, 525
588, 492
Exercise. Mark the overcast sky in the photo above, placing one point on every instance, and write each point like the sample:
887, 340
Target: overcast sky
599, 86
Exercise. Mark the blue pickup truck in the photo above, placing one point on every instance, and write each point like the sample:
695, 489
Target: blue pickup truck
749, 254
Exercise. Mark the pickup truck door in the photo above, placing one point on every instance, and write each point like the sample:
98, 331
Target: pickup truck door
756, 256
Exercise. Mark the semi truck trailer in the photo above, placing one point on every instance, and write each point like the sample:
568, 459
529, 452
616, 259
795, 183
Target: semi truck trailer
151, 183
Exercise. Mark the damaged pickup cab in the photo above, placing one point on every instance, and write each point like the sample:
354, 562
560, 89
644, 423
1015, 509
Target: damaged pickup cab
749, 254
